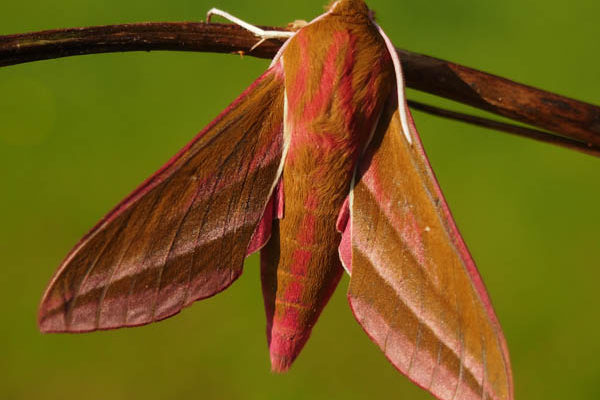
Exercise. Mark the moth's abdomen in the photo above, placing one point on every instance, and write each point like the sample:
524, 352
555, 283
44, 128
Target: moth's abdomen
300, 270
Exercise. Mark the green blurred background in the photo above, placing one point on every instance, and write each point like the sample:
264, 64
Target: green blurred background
77, 134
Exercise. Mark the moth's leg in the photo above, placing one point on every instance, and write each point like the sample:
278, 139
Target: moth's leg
261, 33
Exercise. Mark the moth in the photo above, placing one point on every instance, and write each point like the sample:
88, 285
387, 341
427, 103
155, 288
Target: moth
317, 165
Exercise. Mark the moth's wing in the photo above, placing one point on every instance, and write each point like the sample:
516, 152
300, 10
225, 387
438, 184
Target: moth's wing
184, 233
414, 287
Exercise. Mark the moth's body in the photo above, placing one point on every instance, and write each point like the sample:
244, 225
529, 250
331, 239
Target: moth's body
334, 83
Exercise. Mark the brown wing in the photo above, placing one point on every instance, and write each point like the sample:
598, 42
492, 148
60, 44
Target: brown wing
414, 287
183, 234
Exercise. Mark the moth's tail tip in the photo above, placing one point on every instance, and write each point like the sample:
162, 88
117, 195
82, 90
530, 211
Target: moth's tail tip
284, 350
285, 345
280, 364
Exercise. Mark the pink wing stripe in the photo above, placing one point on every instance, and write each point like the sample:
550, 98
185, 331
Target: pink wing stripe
274, 209
345, 250
262, 233
342, 220
344, 226
446, 385
280, 200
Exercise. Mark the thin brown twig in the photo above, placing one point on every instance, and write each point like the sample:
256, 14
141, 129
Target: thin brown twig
523, 131
569, 118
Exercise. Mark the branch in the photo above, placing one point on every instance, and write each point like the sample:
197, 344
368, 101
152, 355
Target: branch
178, 36
575, 120
523, 131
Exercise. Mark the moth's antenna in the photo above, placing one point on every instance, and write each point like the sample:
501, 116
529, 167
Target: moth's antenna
261, 33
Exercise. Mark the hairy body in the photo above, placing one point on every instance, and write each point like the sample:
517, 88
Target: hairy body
332, 109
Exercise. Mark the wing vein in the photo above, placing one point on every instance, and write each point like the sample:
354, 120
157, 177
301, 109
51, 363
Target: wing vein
169, 251
69, 311
210, 201
231, 201
460, 366
214, 137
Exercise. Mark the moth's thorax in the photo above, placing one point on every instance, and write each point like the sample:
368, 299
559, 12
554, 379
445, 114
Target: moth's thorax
337, 75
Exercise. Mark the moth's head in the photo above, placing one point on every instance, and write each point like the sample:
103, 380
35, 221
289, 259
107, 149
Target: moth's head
351, 8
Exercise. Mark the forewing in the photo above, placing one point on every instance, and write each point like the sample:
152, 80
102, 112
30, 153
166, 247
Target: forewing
183, 234
414, 287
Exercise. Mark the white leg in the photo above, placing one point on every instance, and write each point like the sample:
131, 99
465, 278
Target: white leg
261, 33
